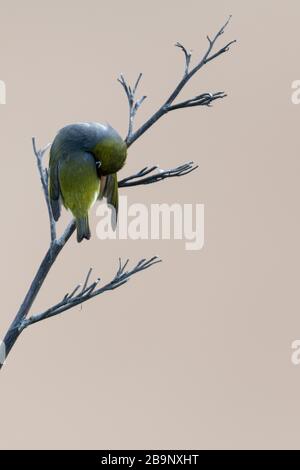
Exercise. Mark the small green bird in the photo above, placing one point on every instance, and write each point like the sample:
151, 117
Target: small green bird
83, 166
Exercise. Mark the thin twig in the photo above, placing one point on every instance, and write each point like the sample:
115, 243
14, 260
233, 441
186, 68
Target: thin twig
145, 171
187, 55
86, 280
73, 292
202, 100
134, 104
44, 180
140, 179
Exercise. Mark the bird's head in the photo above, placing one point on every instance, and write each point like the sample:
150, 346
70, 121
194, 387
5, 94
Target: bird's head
110, 152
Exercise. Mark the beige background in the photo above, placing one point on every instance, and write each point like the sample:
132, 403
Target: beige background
194, 353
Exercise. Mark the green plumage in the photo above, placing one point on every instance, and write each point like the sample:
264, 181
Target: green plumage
83, 166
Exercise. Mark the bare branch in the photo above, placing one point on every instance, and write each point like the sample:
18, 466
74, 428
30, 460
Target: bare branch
220, 52
202, 100
73, 292
134, 104
44, 180
188, 56
57, 244
145, 176
120, 278
141, 178
87, 280
188, 74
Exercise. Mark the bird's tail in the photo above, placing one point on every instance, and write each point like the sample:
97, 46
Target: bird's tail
83, 229
55, 207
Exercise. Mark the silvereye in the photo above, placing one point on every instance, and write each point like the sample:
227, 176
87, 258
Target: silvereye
84, 160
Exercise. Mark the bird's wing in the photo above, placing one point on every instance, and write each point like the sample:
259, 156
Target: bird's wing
111, 193
54, 189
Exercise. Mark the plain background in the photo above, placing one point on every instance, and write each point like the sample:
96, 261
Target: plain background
195, 352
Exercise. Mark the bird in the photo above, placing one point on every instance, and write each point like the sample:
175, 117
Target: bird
84, 160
